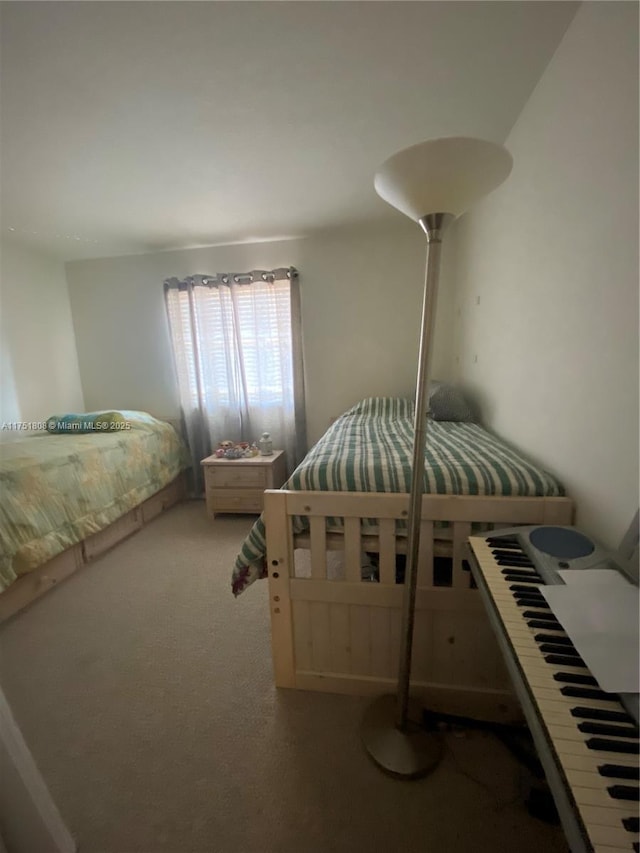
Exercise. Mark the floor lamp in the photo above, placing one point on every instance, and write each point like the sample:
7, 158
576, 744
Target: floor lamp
433, 183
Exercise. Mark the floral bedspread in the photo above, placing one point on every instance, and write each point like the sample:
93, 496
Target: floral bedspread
58, 489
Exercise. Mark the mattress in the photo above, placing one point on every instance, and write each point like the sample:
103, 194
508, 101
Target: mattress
59, 489
370, 449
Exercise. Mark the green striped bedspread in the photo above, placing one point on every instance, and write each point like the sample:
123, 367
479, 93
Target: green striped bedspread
59, 489
370, 449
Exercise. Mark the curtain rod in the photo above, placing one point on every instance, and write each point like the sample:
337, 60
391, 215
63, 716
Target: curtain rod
227, 278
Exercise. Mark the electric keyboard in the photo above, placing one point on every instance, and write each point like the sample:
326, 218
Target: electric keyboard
587, 740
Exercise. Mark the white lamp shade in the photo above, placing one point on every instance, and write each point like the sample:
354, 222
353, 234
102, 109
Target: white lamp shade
446, 175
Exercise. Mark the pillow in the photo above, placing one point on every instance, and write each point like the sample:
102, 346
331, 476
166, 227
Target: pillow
109, 421
78, 424
81, 424
447, 403
383, 407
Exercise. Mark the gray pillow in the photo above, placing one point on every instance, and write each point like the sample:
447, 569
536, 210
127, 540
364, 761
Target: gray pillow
447, 403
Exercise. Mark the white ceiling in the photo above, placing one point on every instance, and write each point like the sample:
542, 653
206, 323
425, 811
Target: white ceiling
132, 127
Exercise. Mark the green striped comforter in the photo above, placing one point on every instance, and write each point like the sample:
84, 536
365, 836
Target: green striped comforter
369, 449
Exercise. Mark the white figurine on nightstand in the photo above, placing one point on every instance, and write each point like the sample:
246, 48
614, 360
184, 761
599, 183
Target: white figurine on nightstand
266, 445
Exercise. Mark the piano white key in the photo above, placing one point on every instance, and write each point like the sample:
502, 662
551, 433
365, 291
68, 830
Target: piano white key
591, 759
583, 778
592, 797
612, 835
602, 818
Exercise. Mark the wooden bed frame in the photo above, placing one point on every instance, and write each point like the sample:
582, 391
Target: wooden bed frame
343, 636
31, 586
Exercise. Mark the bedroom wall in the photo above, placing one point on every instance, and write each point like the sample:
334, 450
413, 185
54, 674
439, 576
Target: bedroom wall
39, 364
361, 293
550, 353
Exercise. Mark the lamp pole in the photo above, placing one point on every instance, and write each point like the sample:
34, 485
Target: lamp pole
391, 735
433, 226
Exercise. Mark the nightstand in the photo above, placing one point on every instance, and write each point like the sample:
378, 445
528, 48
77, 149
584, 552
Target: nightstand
237, 485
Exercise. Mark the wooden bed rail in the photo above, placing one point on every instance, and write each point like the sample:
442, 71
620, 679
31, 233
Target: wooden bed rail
476, 508
373, 522
339, 632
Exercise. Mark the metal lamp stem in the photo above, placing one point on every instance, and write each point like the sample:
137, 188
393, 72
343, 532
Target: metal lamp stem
433, 226
394, 739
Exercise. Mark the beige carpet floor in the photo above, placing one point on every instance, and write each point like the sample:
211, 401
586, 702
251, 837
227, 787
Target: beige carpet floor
144, 690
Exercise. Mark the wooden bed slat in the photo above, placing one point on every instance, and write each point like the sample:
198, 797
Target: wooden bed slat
318, 540
387, 540
352, 550
425, 554
461, 532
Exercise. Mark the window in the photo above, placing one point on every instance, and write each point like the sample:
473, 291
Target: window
238, 355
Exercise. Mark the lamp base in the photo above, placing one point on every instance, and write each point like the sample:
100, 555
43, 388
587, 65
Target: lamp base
406, 754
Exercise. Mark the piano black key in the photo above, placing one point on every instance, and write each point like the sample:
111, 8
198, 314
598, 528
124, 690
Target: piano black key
625, 792
518, 565
603, 744
520, 574
502, 558
559, 649
513, 558
529, 602
545, 617
619, 771
532, 581
566, 660
549, 638
631, 824
529, 593
575, 678
522, 587
584, 692
609, 730
602, 714
550, 626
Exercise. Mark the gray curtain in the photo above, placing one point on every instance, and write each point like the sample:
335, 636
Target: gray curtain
237, 343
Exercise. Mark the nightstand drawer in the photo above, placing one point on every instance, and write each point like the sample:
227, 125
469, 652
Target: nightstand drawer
238, 486
228, 500
227, 477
